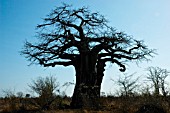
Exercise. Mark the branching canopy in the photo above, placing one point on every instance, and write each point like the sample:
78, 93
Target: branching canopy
67, 33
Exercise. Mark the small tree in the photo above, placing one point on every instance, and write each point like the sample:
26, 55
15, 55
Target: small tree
20, 94
127, 84
12, 100
157, 76
162, 78
45, 88
145, 90
9, 93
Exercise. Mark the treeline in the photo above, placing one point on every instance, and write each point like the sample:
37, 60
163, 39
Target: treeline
154, 83
49, 95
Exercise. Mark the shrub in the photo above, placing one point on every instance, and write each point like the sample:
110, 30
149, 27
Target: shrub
45, 88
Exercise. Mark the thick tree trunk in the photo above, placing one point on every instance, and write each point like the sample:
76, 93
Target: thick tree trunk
85, 96
157, 90
88, 83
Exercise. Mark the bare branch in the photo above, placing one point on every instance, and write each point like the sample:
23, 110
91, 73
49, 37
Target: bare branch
67, 32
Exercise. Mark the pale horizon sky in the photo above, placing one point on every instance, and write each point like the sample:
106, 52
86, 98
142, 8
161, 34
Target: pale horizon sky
147, 20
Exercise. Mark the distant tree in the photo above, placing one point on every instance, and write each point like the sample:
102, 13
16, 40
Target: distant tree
11, 99
45, 88
145, 89
20, 94
83, 39
127, 84
9, 93
27, 95
158, 75
162, 78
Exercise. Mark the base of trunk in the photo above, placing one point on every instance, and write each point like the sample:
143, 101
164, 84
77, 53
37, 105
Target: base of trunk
86, 97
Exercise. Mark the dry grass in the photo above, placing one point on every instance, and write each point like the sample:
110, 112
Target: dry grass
108, 105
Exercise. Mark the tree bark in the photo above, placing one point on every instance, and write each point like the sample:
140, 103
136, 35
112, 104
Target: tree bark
89, 75
157, 90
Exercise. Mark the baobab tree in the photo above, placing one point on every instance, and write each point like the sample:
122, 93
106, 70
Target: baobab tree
81, 38
157, 76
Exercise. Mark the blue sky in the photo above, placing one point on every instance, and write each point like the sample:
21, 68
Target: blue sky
147, 20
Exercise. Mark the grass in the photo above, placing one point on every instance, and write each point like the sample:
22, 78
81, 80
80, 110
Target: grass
108, 105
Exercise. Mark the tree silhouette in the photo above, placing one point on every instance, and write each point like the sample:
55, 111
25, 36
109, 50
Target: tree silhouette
45, 88
83, 39
157, 76
127, 84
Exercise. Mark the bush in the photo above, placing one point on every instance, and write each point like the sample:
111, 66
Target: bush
46, 89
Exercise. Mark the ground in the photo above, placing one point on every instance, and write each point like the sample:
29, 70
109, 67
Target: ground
108, 105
